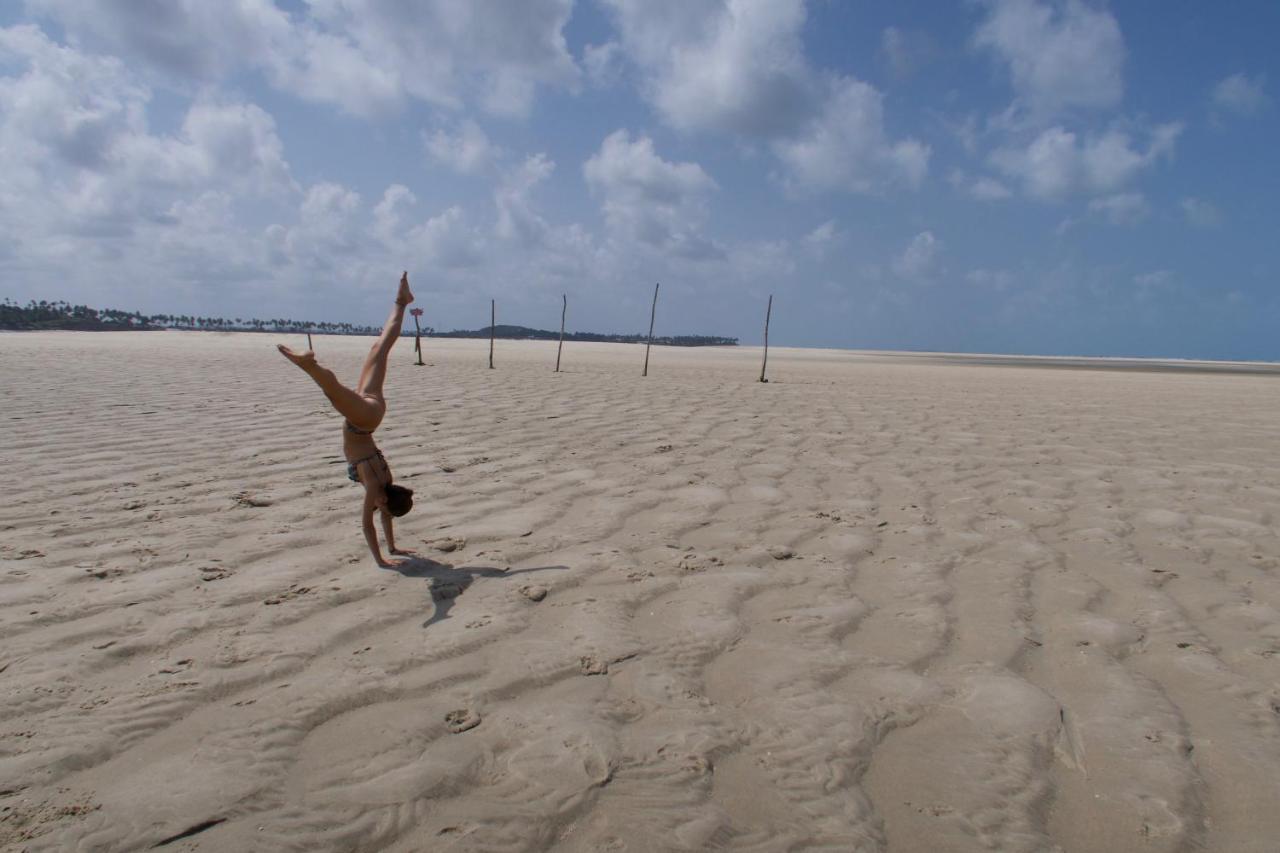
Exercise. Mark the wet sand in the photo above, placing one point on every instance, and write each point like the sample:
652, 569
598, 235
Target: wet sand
880, 603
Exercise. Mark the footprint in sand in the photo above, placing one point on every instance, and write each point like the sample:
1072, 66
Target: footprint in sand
461, 720
592, 665
446, 544
534, 593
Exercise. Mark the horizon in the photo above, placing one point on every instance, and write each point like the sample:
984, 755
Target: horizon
1002, 177
312, 327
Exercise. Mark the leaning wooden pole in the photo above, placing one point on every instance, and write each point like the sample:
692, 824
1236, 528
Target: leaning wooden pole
767, 311
563, 310
309, 346
652, 313
417, 336
493, 319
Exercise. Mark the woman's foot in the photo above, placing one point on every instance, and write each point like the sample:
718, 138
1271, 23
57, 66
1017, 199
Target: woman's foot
405, 295
305, 360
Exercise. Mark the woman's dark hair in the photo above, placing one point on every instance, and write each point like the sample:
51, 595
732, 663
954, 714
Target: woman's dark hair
399, 499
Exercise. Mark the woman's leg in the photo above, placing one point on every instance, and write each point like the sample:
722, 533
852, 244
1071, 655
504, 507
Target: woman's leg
352, 406
375, 364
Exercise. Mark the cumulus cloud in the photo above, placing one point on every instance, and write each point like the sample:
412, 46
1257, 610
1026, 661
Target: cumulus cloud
739, 67
650, 200
1060, 55
918, 258
602, 63
822, 235
735, 66
516, 218
995, 279
980, 187
1058, 162
187, 39
1128, 208
1241, 94
1200, 213
80, 155
365, 56
845, 147
465, 149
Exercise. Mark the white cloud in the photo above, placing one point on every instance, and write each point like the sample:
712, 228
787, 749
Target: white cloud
818, 242
735, 66
445, 241
188, 39
822, 235
1155, 278
603, 63
1061, 55
918, 258
650, 200
845, 147
1057, 162
388, 215
1128, 208
516, 217
980, 187
1241, 94
80, 156
363, 55
994, 279
1201, 213
739, 67
466, 149
985, 188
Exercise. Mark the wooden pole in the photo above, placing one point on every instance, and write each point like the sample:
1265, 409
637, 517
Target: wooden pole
768, 311
309, 347
417, 338
652, 313
493, 320
564, 310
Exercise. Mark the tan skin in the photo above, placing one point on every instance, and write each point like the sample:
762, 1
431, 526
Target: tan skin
364, 408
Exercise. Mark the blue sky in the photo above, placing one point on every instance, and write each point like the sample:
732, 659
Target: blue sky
994, 176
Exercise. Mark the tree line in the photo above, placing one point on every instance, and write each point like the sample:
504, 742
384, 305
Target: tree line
43, 315
62, 315
526, 333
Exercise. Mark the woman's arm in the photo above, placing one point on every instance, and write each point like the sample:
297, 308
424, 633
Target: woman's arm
388, 532
374, 498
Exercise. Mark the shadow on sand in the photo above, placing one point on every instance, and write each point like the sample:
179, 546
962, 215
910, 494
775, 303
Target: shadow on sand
448, 582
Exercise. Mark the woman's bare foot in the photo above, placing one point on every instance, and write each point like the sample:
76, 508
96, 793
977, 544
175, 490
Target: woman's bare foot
405, 295
305, 360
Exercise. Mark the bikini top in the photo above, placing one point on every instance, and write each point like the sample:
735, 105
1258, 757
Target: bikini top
351, 428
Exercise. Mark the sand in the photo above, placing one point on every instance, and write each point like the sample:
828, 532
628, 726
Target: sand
875, 604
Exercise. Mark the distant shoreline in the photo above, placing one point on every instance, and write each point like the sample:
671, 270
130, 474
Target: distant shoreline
61, 316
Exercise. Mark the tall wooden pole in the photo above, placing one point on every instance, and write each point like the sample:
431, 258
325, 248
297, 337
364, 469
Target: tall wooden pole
765, 363
417, 336
493, 319
564, 310
652, 313
309, 342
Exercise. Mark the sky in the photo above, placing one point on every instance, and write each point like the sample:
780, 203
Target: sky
1018, 176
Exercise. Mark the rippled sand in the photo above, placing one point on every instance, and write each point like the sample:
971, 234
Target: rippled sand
875, 604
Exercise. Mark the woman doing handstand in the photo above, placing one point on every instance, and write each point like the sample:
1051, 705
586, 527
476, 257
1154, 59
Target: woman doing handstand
363, 409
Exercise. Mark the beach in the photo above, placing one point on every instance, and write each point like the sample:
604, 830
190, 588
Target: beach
879, 603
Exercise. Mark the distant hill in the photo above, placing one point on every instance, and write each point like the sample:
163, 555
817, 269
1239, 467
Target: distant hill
42, 315
524, 333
